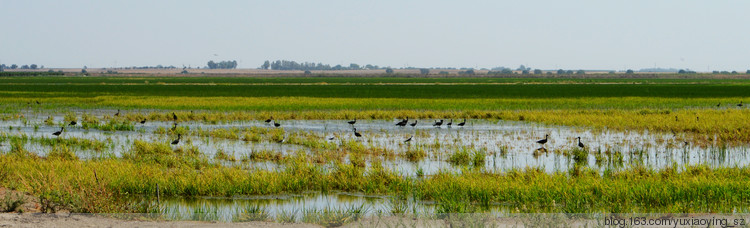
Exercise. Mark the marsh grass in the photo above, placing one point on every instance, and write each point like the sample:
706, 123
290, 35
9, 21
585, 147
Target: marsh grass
287, 216
251, 213
12, 202
415, 154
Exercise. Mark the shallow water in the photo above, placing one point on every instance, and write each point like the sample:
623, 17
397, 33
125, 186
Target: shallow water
507, 144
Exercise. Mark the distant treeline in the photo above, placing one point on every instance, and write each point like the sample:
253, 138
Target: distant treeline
292, 65
15, 66
29, 73
222, 65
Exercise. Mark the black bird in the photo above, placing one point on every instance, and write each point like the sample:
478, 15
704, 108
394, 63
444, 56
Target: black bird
403, 122
72, 123
543, 141
282, 140
179, 136
269, 119
276, 124
174, 126
409, 139
357, 133
352, 122
450, 123
331, 138
462, 123
718, 105
118, 113
438, 123
37, 102
740, 104
143, 121
580, 144
57, 133
174, 116
413, 124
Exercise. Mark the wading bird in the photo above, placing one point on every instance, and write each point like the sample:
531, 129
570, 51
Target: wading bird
718, 105
179, 136
331, 138
580, 144
269, 120
357, 133
352, 122
740, 104
72, 123
450, 123
462, 123
409, 139
143, 121
282, 140
174, 126
403, 122
37, 102
438, 123
413, 124
276, 124
57, 133
543, 141
174, 117
118, 113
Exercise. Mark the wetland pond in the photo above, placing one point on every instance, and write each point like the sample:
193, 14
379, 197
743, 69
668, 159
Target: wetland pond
493, 145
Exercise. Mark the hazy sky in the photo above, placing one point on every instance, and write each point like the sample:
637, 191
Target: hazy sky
546, 34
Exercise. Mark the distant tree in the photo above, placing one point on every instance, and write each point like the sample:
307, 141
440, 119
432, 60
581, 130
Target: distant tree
13, 66
222, 65
2, 67
443, 73
715, 72
581, 72
83, 71
725, 72
522, 68
506, 71
560, 71
424, 71
734, 72
33, 66
629, 71
569, 72
184, 71
747, 72
354, 66
266, 65
681, 71
537, 71
525, 72
370, 67
307, 72
25, 67
612, 72
388, 70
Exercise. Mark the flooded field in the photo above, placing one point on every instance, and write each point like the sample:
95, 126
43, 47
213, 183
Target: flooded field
422, 150
504, 145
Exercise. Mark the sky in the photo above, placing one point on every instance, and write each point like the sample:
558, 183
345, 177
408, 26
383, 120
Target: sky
544, 34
